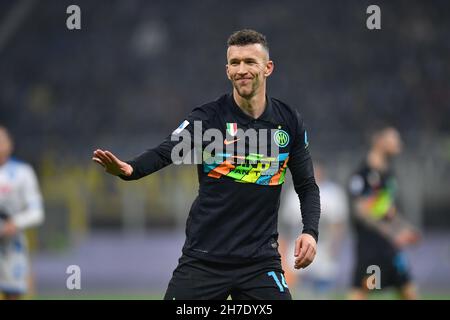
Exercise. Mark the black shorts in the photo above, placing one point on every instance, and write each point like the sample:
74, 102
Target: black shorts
195, 279
394, 270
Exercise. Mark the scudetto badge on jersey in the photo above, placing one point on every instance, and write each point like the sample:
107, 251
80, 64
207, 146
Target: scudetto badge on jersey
232, 128
281, 138
183, 125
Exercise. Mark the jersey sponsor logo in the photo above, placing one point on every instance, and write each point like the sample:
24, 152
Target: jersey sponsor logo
232, 128
380, 203
281, 138
181, 127
255, 168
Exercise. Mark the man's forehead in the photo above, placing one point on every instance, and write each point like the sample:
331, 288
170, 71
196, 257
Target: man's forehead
247, 51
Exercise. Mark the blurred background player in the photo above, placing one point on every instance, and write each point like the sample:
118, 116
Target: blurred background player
20, 208
318, 280
381, 233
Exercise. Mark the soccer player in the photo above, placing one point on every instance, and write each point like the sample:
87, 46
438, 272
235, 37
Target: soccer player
231, 243
381, 233
20, 208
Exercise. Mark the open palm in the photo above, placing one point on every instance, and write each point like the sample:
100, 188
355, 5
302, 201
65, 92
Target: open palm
111, 163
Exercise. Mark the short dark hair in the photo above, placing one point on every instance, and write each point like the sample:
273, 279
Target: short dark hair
247, 36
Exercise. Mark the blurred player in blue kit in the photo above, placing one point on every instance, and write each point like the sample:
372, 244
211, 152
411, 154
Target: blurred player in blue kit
20, 208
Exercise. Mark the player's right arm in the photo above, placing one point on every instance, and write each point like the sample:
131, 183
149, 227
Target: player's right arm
146, 163
153, 159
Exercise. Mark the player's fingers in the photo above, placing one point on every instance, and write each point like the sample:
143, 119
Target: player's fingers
307, 259
97, 152
297, 247
98, 161
303, 250
102, 156
111, 156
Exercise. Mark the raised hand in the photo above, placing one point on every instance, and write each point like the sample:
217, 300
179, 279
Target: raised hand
111, 163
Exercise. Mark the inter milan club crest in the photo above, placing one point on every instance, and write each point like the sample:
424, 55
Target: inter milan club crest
232, 128
281, 138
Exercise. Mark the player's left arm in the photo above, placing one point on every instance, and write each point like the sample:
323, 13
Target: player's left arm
32, 213
301, 167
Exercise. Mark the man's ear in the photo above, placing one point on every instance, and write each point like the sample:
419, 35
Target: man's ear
269, 68
226, 70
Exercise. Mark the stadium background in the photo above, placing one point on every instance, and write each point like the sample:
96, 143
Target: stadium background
138, 67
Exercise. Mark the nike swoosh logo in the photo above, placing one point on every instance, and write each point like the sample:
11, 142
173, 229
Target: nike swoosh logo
226, 142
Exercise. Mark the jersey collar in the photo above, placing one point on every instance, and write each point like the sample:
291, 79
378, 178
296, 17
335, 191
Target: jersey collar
244, 118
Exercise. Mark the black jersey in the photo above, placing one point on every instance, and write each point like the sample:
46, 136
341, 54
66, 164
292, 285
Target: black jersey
380, 188
234, 217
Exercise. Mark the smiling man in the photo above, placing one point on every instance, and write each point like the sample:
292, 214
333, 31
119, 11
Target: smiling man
231, 243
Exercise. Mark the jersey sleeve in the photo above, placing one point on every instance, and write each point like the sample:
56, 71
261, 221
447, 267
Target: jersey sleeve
159, 157
301, 167
32, 212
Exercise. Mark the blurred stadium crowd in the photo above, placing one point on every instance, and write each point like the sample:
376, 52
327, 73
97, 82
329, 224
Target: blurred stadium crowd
136, 68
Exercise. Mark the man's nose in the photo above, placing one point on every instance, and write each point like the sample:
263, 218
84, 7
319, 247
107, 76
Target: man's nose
242, 69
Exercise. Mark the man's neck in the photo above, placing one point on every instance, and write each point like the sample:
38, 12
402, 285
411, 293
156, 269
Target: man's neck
377, 160
254, 106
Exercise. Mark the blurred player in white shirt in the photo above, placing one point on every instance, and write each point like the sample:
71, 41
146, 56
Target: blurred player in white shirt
321, 274
20, 208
